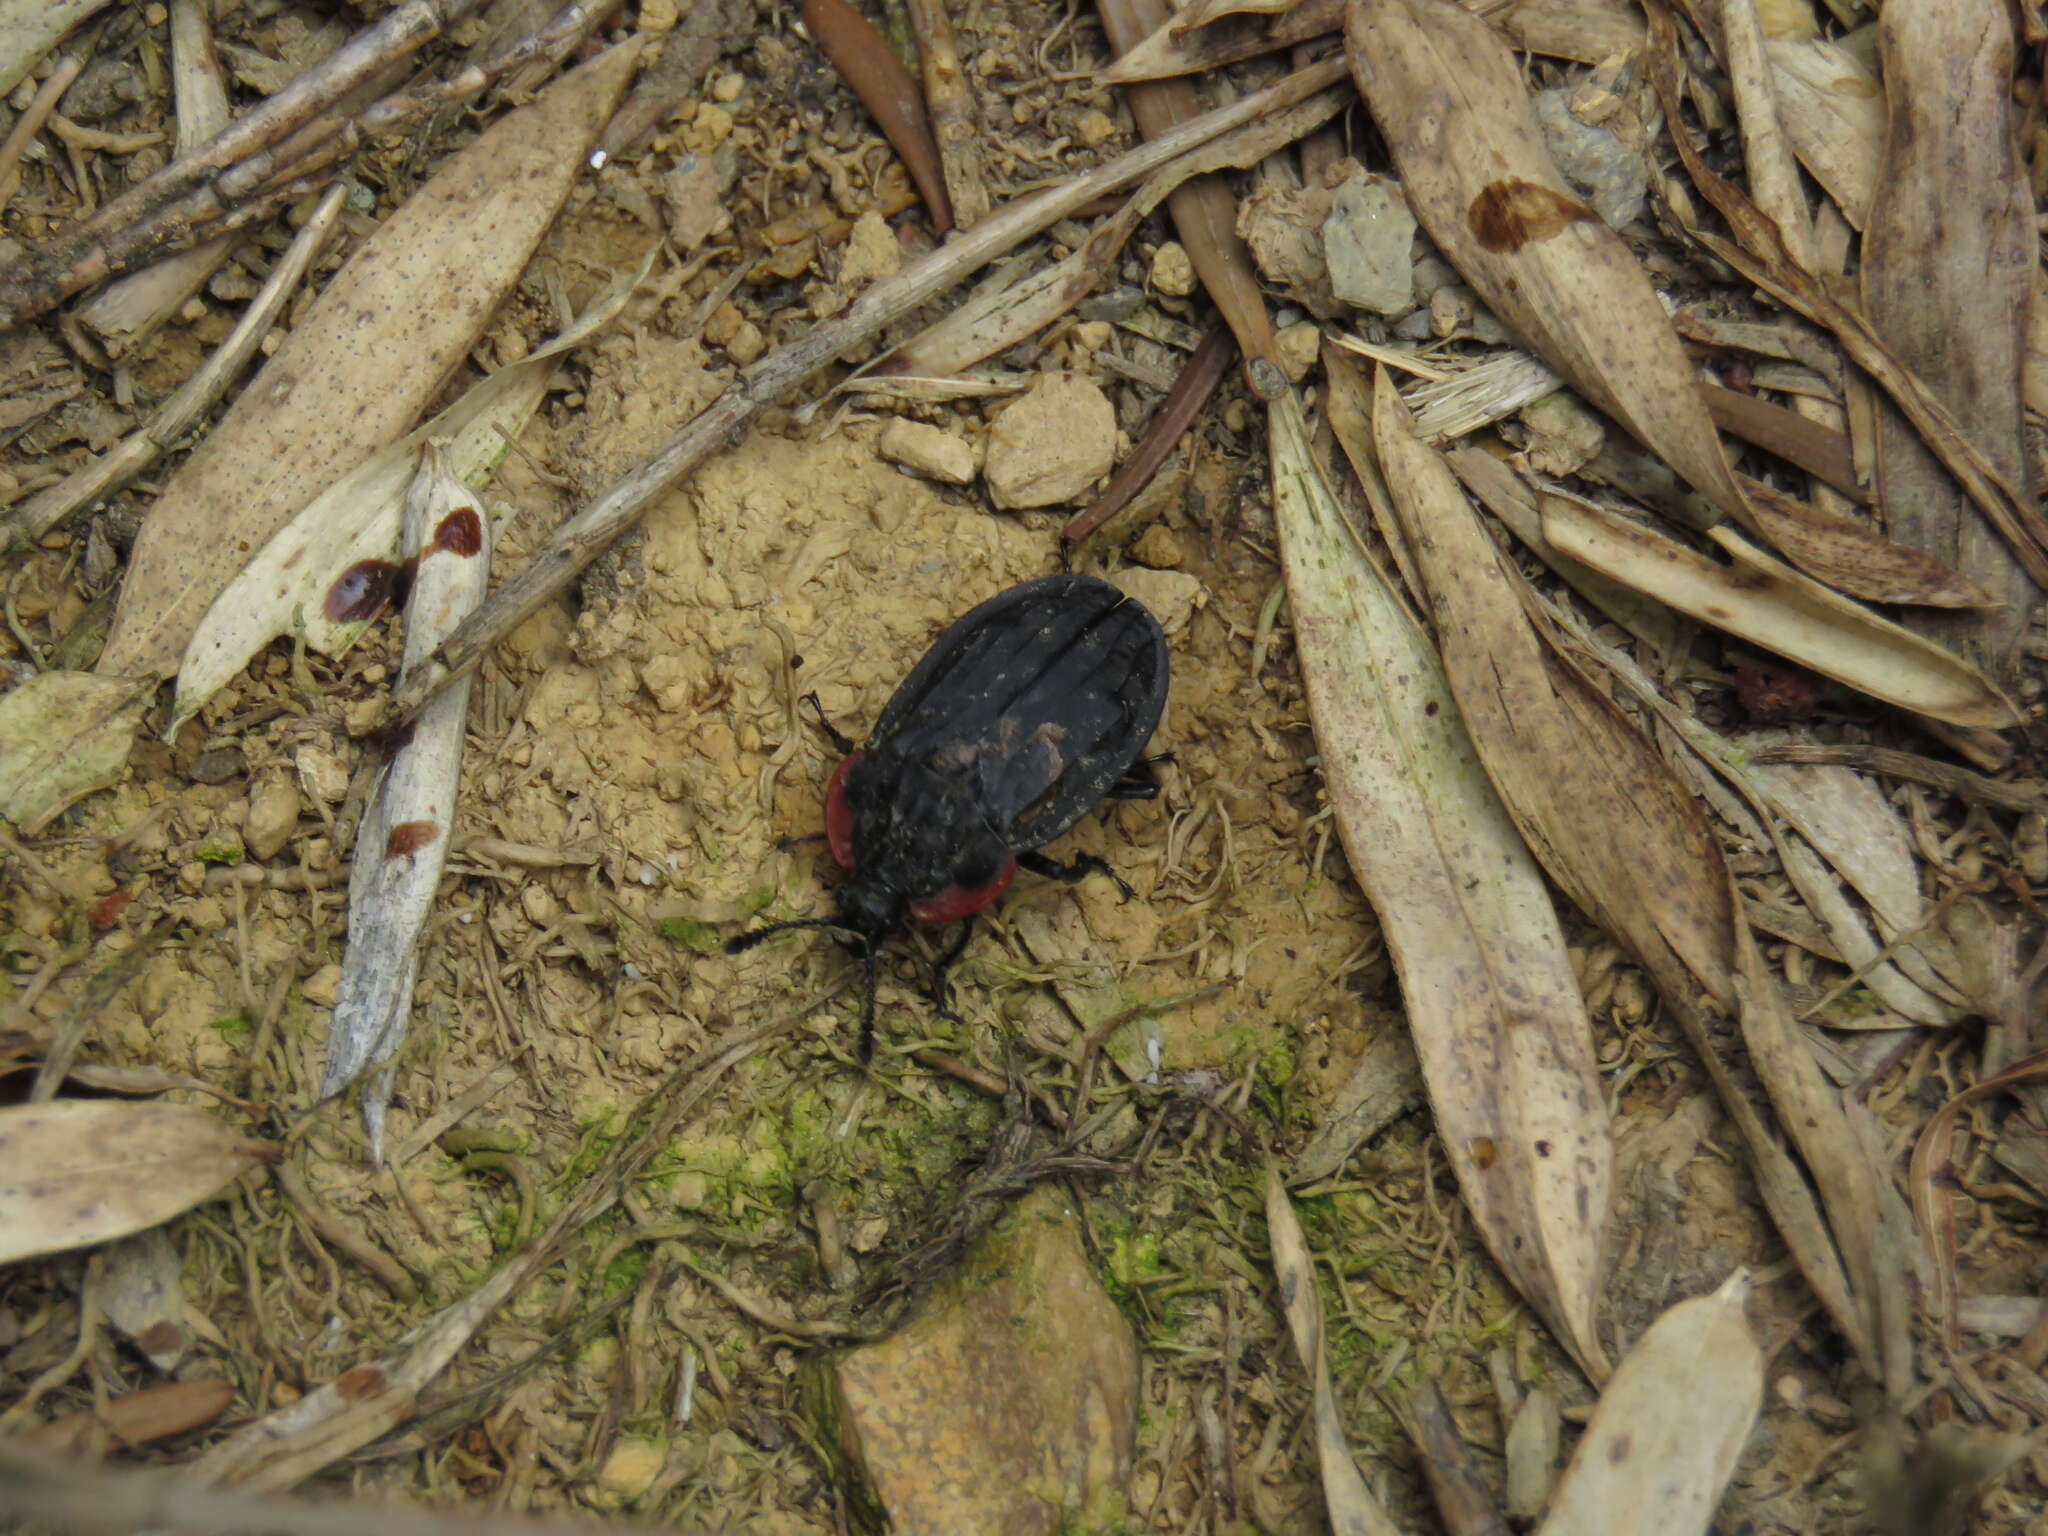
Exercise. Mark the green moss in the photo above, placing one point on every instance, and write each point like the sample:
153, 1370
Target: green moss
218, 853
233, 1026
689, 933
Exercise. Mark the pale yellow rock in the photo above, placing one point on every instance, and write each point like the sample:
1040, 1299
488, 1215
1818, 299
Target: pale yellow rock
871, 252
926, 450
1157, 547
1051, 444
627, 1473
1172, 273
1297, 346
272, 817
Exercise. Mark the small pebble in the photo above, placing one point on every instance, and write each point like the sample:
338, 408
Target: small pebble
927, 450
273, 816
1173, 273
1297, 346
1157, 547
322, 987
1094, 128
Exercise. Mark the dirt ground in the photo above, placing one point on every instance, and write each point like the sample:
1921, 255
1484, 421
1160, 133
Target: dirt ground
637, 764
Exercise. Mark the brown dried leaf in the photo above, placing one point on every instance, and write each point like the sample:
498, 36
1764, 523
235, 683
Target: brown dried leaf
1948, 269
1451, 103
1769, 604
1172, 48
78, 1171
1499, 1025
368, 356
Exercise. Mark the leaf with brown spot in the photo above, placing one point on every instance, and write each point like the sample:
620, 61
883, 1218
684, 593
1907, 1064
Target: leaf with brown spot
1450, 101
1498, 1021
78, 1171
362, 363
1668, 1428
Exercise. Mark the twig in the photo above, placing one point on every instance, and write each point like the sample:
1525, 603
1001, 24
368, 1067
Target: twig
136, 452
32, 120
885, 88
767, 1317
86, 1011
63, 1370
388, 1271
127, 227
1198, 379
951, 106
86, 1496
1455, 1481
580, 540
2003, 794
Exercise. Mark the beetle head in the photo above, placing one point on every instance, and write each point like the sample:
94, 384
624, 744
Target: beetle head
867, 914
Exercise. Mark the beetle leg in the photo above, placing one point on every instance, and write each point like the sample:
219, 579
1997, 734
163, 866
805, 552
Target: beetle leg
841, 742
1078, 868
942, 963
1140, 780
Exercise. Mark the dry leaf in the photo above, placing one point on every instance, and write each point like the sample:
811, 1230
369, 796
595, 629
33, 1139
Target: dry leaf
1771, 605
1948, 264
1352, 1509
406, 831
1668, 1428
1171, 48
1451, 104
78, 1171
1498, 1022
321, 575
360, 365
62, 736
1832, 107
29, 29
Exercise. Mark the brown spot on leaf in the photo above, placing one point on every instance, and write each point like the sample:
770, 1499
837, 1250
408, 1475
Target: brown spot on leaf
1512, 213
360, 1382
1483, 1152
410, 837
461, 532
160, 1338
1778, 695
1619, 1451
360, 592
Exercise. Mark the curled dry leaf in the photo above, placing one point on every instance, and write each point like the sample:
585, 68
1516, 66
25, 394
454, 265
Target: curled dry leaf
78, 1171
329, 571
1173, 48
1450, 101
405, 833
1499, 1025
1352, 1508
62, 736
1769, 604
1669, 1426
360, 365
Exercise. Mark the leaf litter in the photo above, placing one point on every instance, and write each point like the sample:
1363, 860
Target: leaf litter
634, 757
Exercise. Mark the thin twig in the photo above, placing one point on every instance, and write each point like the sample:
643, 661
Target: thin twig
951, 107
32, 120
136, 452
1198, 379
885, 88
580, 540
108, 242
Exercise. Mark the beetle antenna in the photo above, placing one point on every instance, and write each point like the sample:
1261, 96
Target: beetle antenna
740, 943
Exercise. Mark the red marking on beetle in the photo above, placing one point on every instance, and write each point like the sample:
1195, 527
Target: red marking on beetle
107, 911
956, 902
839, 815
461, 532
361, 591
410, 837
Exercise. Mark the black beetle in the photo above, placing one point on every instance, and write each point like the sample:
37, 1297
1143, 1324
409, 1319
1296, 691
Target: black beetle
1027, 711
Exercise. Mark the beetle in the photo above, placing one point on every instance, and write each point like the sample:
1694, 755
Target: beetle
1026, 711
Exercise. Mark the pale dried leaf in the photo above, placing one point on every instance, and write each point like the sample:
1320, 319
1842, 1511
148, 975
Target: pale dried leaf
1586, 30
360, 365
78, 1171
1771, 605
1669, 1427
1832, 107
1451, 103
1171, 49
62, 736
1948, 264
406, 831
353, 525
1352, 1509
30, 28
1498, 1022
